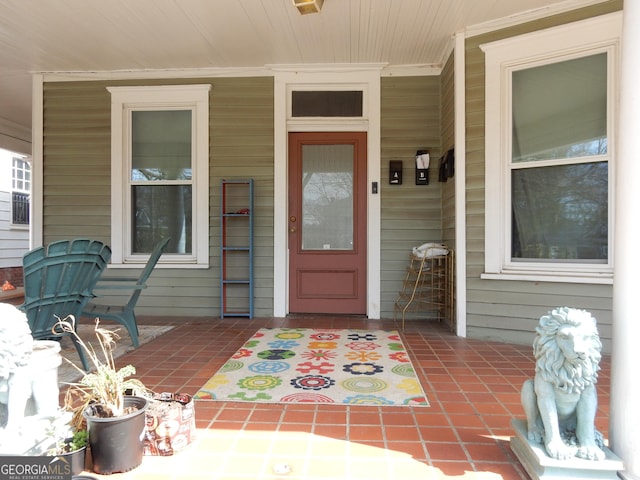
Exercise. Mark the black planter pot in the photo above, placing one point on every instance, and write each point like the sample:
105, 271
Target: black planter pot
75, 459
117, 443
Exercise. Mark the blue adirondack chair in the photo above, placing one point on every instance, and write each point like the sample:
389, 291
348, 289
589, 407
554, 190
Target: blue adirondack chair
58, 281
125, 314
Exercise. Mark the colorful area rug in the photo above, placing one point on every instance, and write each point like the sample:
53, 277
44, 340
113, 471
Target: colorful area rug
302, 365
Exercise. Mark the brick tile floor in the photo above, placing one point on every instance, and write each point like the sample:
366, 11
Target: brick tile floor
473, 388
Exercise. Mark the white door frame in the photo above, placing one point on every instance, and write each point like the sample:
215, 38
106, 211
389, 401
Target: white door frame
287, 78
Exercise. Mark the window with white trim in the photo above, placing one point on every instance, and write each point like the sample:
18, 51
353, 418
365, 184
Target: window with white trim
550, 114
160, 173
20, 191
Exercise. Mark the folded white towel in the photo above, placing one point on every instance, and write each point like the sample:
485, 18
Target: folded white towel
430, 250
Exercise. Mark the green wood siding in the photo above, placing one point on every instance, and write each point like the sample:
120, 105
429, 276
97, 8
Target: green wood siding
410, 214
76, 161
509, 310
77, 181
242, 147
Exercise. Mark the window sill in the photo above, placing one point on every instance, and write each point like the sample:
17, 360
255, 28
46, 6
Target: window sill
118, 266
602, 279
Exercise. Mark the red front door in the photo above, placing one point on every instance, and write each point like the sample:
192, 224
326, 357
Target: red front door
327, 222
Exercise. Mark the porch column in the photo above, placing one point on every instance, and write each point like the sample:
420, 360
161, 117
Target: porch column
624, 416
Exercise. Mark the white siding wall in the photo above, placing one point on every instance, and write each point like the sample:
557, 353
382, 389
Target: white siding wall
14, 241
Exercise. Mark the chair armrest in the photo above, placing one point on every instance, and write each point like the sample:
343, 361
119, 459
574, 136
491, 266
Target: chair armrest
121, 287
118, 283
118, 279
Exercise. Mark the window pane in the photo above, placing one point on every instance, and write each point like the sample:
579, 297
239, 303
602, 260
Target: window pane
161, 211
161, 145
20, 205
560, 213
21, 175
327, 197
326, 103
560, 110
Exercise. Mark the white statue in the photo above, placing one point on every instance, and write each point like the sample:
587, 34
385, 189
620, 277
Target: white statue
16, 346
28, 380
560, 402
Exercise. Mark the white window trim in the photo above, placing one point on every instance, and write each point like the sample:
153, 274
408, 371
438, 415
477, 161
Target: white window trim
25, 159
502, 57
165, 96
13, 178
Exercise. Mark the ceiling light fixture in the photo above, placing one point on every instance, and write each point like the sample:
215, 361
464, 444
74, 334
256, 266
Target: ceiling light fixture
308, 6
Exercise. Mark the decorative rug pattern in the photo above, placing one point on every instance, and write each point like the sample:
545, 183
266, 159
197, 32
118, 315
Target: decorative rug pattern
67, 373
303, 365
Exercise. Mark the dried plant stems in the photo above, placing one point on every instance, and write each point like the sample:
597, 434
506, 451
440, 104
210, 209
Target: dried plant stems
105, 385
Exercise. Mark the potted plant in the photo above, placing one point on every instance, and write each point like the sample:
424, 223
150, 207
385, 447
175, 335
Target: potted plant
108, 402
72, 449
53, 436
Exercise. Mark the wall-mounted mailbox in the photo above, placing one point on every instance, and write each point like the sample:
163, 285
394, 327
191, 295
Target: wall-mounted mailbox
422, 167
395, 172
422, 176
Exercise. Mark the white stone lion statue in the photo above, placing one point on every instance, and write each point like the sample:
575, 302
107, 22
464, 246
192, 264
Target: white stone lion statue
560, 402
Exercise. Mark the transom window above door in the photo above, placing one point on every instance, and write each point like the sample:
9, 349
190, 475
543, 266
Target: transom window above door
331, 104
326, 103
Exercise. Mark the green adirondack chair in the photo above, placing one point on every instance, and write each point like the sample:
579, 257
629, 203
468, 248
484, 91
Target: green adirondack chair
58, 281
125, 314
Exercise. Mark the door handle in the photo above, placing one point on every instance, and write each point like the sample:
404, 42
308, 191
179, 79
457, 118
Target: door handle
292, 228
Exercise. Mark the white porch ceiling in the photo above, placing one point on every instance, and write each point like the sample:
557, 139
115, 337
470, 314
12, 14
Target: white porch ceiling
46, 36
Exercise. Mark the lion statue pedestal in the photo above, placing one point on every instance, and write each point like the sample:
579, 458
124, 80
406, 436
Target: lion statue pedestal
559, 438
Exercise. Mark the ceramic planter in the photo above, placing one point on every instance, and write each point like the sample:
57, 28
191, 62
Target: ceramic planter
117, 443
